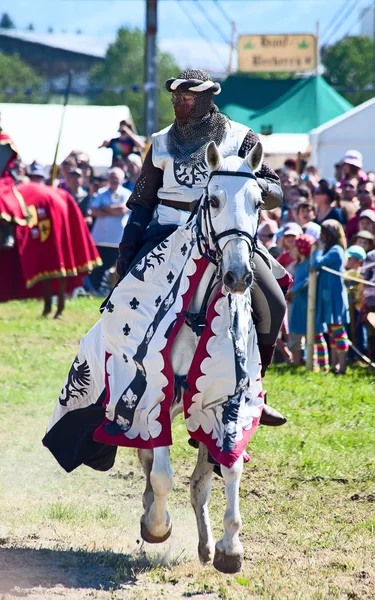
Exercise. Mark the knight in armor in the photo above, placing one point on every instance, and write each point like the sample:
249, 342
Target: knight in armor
172, 180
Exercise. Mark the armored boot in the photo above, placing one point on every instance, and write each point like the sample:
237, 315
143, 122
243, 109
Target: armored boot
270, 416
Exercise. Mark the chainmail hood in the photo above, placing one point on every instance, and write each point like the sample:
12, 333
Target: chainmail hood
187, 140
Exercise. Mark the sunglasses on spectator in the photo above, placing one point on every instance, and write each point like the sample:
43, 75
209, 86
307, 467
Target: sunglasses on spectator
365, 192
348, 186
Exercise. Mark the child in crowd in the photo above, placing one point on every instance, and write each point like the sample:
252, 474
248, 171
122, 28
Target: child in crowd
357, 331
286, 241
332, 310
298, 295
364, 239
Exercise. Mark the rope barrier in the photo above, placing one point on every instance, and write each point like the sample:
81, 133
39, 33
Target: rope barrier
362, 356
349, 277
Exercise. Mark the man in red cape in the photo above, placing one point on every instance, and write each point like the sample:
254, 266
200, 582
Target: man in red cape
43, 237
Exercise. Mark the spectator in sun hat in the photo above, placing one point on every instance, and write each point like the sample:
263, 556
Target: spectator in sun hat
286, 241
37, 173
365, 239
352, 164
367, 221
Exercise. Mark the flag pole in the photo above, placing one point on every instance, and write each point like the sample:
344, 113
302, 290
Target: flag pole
66, 100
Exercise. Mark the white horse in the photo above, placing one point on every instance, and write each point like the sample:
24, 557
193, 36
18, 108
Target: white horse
229, 220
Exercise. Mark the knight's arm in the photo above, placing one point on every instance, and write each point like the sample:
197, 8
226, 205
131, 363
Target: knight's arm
267, 179
142, 203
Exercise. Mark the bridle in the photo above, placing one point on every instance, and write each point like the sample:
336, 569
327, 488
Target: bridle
204, 216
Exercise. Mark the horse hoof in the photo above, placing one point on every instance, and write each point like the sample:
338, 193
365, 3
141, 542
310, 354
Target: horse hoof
205, 554
227, 563
153, 539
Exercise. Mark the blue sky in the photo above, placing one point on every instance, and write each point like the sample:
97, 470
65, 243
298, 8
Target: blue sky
102, 18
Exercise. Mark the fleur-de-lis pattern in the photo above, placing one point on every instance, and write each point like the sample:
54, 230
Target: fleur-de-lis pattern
109, 306
126, 329
134, 303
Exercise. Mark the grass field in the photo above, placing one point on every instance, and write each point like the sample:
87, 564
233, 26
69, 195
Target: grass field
307, 498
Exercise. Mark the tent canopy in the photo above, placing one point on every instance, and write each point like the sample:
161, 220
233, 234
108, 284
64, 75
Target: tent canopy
281, 106
353, 130
34, 129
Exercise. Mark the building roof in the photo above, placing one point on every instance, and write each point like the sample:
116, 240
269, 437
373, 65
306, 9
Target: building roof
304, 105
70, 42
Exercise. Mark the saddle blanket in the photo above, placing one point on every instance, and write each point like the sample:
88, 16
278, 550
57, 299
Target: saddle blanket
123, 370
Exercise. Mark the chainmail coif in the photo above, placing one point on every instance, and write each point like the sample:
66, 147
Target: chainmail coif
187, 141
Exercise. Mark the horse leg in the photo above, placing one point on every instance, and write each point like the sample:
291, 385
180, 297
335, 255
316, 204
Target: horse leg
47, 297
200, 489
146, 458
60, 297
156, 524
229, 551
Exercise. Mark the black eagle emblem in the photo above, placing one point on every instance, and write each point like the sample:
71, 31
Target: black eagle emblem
77, 382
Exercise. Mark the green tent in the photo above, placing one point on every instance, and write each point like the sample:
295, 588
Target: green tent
304, 105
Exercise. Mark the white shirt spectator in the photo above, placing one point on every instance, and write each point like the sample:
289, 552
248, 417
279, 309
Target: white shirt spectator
108, 229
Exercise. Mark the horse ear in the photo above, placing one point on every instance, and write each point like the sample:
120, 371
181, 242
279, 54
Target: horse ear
213, 157
255, 157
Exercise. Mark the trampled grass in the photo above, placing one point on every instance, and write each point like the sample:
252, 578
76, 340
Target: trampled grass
307, 497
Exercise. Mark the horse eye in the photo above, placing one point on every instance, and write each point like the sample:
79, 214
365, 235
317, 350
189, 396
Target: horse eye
259, 205
214, 201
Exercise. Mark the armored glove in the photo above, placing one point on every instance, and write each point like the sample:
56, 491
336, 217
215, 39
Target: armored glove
132, 236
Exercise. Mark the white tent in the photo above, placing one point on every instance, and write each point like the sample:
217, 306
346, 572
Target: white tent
352, 130
280, 146
34, 129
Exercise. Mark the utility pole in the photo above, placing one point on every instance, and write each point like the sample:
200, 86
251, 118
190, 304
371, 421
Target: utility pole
150, 84
231, 47
317, 48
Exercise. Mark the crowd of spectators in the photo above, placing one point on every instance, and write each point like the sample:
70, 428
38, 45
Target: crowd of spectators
101, 196
334, 220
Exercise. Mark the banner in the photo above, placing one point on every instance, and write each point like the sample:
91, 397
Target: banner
262, 53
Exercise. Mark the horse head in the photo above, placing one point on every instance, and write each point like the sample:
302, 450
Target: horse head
230, 214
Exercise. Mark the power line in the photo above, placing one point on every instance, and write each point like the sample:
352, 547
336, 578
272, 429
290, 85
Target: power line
361, 16
223, 12
333, 20
212, 23
342, 20
198, 29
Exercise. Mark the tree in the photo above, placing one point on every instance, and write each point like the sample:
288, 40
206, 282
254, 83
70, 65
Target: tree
30, 27
6, 22
349, 68
18, 81
123, 68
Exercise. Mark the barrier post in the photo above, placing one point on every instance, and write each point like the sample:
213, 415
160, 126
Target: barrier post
311, 311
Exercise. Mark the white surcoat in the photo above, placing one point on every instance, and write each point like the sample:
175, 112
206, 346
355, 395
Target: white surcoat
186, 183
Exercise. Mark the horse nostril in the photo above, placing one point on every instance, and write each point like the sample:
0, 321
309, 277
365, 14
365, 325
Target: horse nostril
248, 280
229, 279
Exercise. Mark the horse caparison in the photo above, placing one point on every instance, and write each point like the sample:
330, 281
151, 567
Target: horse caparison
227, 238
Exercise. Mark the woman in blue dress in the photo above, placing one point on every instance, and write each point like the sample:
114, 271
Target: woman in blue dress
332, 309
